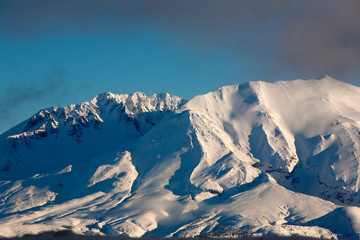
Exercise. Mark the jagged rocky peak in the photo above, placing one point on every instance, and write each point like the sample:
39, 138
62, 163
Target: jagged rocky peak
138, 102
92, 113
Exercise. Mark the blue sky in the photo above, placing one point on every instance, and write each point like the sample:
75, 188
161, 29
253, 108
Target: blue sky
54, 53
73, 68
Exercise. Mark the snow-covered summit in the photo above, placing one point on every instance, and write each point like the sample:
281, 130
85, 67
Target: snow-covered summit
138, 102
95, 111
251, 159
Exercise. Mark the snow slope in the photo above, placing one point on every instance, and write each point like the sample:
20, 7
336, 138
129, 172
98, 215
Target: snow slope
252, 159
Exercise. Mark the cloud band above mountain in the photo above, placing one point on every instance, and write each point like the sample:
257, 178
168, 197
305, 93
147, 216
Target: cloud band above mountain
306, 37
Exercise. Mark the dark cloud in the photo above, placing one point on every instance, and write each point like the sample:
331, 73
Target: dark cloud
323, 38
50, 88
305, 37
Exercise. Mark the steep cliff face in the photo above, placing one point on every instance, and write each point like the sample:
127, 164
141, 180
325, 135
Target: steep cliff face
252, 159
304, 133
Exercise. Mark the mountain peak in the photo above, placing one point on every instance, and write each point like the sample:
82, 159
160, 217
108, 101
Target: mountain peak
141, 102
92, 114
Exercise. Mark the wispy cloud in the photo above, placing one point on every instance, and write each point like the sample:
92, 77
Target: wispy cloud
307, 37
51, 87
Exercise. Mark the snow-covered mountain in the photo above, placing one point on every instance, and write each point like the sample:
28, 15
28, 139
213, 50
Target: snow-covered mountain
256, 159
